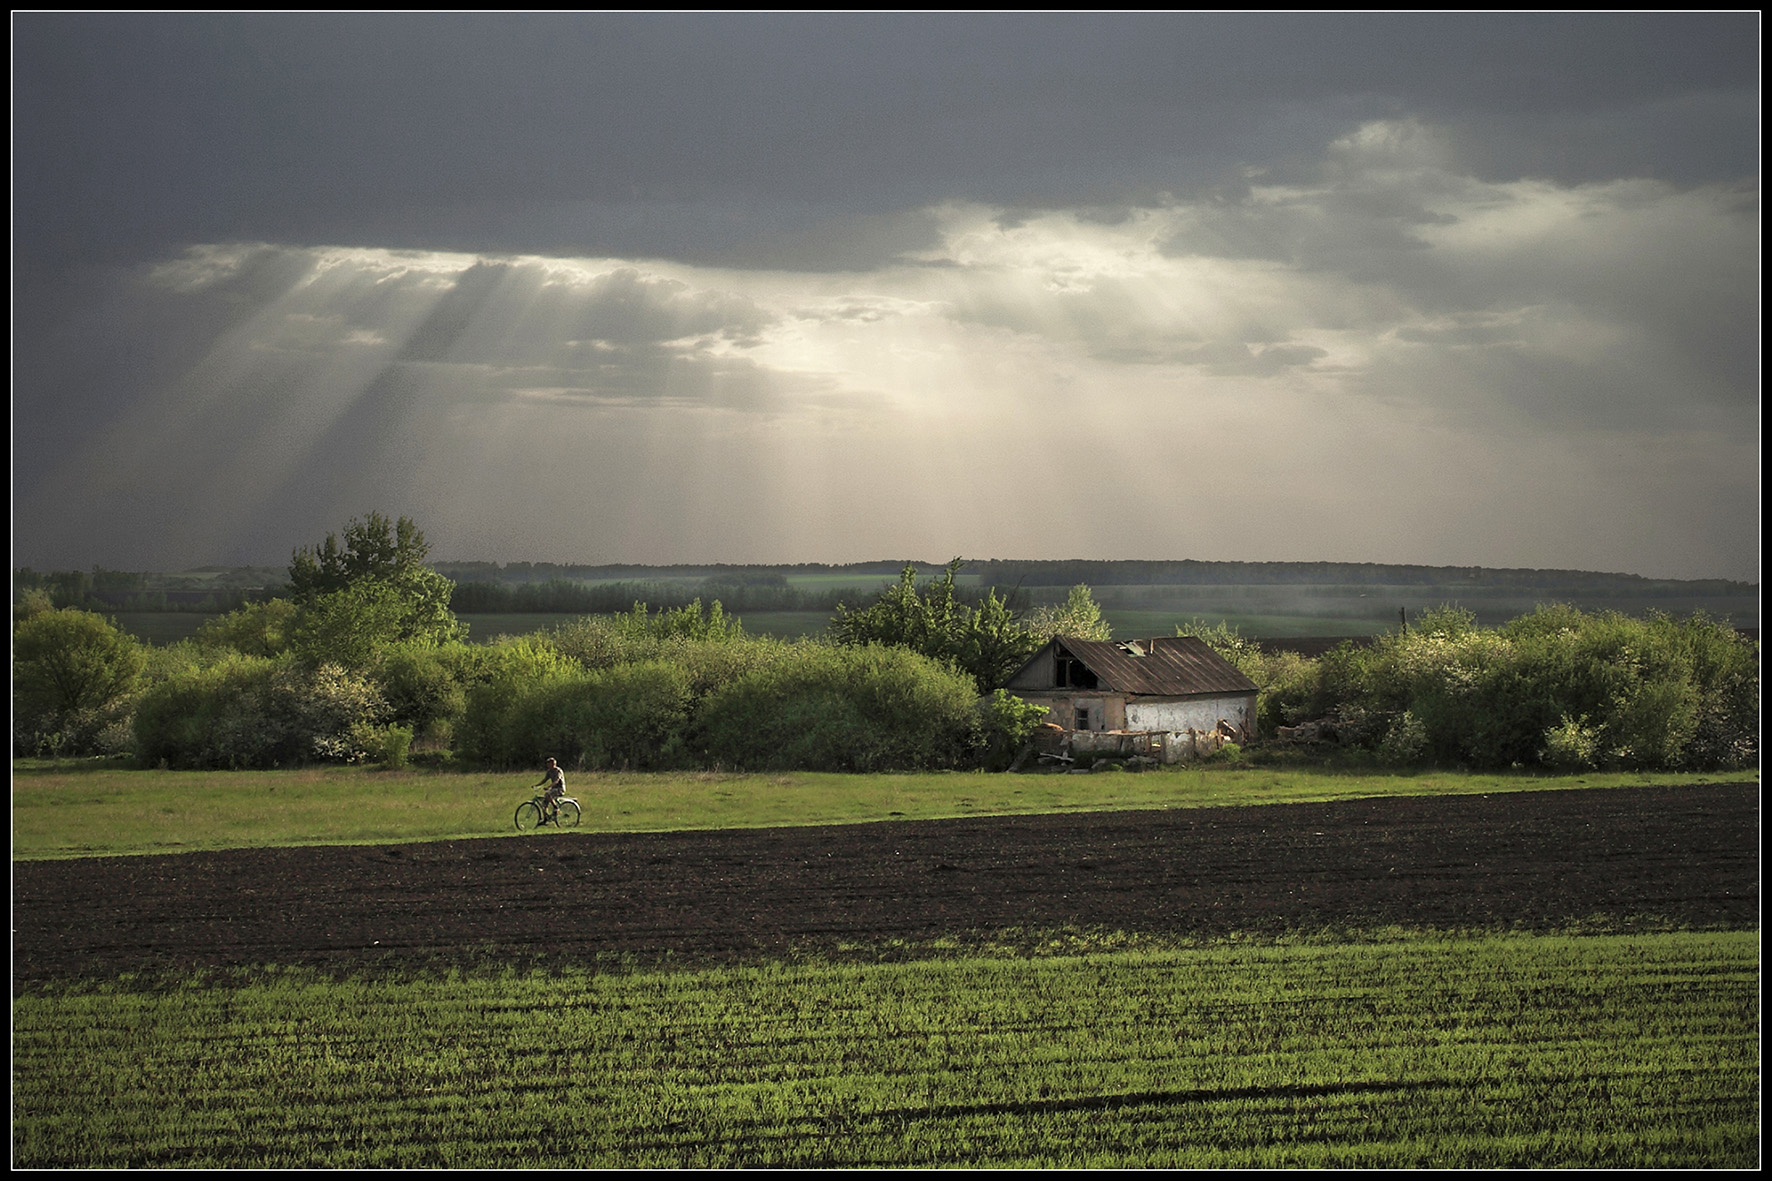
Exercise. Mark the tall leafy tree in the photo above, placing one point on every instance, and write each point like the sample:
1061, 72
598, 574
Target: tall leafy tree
373, 590
375, 548
986, 641
68, 660
926, 620
1079, 618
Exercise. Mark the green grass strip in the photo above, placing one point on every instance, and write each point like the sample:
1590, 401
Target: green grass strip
1496, 1051
94, 810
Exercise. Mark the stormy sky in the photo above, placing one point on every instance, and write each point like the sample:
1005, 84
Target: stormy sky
1443, 289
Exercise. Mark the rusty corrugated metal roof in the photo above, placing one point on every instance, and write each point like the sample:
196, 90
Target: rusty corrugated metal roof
1170, 666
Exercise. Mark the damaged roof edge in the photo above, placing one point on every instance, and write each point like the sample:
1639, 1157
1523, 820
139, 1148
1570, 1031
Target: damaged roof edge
1167, 666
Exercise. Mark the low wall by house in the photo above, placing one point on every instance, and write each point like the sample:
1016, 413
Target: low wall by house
1165, 746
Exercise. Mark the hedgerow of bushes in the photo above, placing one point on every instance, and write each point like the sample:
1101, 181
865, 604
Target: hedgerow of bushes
667, 691
1559, 688
672, 690
246, 711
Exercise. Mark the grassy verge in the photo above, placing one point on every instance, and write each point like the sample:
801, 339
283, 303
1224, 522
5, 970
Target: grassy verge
1638, 1051
97, 810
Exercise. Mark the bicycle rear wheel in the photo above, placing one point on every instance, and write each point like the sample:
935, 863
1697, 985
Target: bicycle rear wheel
528, 816
568, 816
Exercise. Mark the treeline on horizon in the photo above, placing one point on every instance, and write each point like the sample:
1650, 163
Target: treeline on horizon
756, 573
1190, 572
561, 588
121, 590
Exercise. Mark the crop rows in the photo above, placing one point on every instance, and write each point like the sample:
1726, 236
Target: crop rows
1411, 1052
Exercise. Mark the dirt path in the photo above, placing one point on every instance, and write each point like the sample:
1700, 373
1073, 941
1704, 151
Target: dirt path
1539, 860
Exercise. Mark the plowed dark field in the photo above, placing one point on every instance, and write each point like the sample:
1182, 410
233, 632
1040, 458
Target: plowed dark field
1686, 856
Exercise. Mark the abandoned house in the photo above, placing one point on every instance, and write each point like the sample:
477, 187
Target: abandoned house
1173, 684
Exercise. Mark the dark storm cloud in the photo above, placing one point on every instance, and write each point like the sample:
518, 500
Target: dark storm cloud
677, 287
696, 135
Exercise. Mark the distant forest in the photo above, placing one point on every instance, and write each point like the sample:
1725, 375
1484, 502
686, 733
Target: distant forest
550, 587
1193, 573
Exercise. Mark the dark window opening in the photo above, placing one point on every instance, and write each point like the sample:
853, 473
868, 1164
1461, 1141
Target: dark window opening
1073, 675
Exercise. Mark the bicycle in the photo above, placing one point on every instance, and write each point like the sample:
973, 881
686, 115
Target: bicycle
532, 814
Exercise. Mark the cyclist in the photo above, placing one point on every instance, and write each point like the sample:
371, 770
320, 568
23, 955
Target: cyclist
554, 780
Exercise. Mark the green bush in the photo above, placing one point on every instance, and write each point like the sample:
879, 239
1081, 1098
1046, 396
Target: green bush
605, 641
1404, 743
257, 629
714, 654
1006, 724
871, 708
243, 711
1571, 746
987, 641
607, 692
328, 711
349, 627
508, 717
387, 745
374, 590
73, 674
422, 685
1078, 618
714, 665
1647, 694
597, 641
1230, 752
632, 717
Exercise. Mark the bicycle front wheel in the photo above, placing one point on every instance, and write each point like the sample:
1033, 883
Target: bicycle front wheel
568, 815
528, 816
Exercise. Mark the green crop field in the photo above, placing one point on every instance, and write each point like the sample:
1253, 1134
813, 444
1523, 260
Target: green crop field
787, 625
96, 809
1394, 1048
162, 627
1402, 1052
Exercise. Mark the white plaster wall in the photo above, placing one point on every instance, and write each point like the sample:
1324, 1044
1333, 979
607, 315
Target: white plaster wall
1187, 715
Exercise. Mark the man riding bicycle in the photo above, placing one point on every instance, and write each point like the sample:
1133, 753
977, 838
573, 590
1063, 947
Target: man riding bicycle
555, 781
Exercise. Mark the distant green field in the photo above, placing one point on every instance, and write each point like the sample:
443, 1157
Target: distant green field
91, 809
864, 582
789, 625
1136, 625
786, 625
1408, 1051
161, 627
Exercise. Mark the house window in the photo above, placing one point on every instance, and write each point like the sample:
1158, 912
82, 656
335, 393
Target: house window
1082, 717
1073, 674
